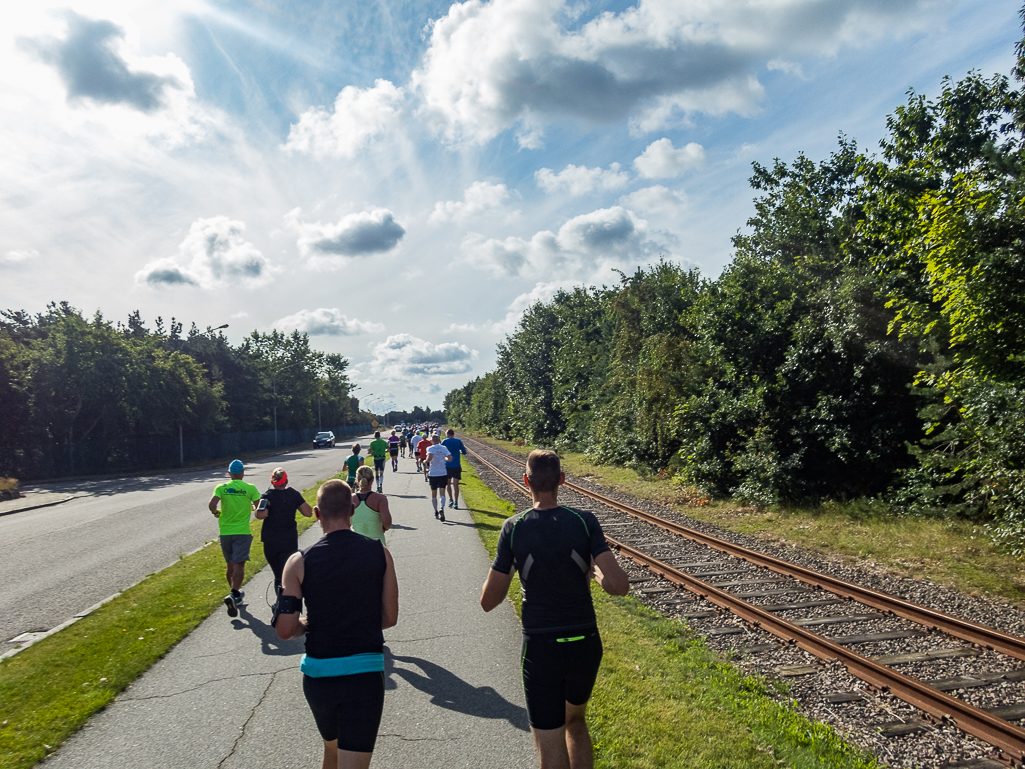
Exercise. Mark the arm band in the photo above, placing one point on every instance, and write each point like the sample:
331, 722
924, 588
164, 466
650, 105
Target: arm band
289, 604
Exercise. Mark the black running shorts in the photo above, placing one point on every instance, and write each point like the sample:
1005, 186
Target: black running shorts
455, 472
558, 668
347, 708
439, 481
379, 465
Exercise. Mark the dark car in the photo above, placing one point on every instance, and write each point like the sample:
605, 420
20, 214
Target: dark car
324, 439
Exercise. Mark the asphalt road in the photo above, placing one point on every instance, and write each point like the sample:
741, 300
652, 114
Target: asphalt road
58, 561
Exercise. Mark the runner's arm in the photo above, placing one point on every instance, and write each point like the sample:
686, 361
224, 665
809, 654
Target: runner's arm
390, 595
305, 509
385, 513
496, 588
292, 625
212, 504
610, 575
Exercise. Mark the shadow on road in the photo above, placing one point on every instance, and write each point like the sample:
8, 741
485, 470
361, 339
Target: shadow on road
270, 644
449, 691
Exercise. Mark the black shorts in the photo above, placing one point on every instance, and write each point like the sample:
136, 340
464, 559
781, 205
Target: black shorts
455, 472
558, 668
394, 452
347, 708
438, 481
379, 465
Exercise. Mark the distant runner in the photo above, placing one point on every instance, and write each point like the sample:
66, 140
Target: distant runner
279, 534
379, 449
351, 594
453, 466
414, 441
437, 456
372, 517
352, 464
403, 439
237, 499
393, 450
556, 550
421, 453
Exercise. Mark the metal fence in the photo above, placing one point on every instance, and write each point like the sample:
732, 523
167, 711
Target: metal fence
148, 452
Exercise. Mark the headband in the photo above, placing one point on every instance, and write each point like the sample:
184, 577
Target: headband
281, 482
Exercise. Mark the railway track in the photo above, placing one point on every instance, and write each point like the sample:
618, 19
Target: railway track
749, 585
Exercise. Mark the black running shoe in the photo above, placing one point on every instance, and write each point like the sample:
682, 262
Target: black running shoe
442, 517
229, 601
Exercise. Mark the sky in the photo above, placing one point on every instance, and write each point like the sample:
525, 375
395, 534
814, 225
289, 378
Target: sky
401, 179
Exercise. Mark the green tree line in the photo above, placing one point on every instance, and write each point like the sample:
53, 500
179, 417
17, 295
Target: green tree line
66, 379
866, 340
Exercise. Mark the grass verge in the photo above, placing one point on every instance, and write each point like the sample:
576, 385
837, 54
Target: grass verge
49, 690
949, 552
664, 699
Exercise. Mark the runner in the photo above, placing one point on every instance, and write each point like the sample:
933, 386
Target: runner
351, 594
437, 456
453, 467
352, 464
421, 453
279, 534
413, 443
372, 517
393, 449
236, 498
403, 439
556, 551
379, 449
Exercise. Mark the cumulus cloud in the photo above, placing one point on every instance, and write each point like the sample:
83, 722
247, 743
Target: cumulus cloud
579, 180
655, 200
360, 115
477, 198
541, 292
213, 255
661, 160
326, 322
92, 67
19, 256
491, 66
403, 355
607, 236
363, 233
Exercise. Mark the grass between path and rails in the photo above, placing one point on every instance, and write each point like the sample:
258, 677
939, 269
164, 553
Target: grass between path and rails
664, 699
49, 690
951, 552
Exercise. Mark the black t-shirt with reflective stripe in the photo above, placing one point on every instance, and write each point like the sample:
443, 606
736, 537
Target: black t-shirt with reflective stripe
552, 551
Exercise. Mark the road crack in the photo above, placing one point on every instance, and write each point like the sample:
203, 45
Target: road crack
252, 714
271, 673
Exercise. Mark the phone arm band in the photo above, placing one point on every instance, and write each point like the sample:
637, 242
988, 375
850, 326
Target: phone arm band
289, 604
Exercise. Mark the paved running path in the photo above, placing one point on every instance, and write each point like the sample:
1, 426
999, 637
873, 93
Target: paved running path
230, 694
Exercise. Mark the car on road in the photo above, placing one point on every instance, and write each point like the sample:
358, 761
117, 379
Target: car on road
324, 439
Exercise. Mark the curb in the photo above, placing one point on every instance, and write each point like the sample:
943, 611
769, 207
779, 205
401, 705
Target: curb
36, 507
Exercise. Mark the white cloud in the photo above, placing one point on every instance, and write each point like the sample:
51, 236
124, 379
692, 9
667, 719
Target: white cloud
331, 245
579, 180
213, 255
326, 322
19, 256
661, 160
477, 198
608, 236
360, 115
541, 292
402, 355
491, 66
655, 200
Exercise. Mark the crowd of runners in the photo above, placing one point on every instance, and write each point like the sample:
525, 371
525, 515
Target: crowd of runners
348, 585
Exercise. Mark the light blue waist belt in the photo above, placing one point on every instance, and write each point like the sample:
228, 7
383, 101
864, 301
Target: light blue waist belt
327, 667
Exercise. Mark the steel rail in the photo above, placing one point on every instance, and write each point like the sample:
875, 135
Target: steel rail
1002, 735
966, 630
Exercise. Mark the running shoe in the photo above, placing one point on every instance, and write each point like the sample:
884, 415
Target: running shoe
455, 506
229, 601
451, 503
442, 516
435, 513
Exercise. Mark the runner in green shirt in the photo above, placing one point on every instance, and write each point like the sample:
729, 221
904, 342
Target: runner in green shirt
236, 499
352, 464
379, 449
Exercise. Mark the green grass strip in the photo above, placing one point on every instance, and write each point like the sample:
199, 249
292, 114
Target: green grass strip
49, 690
664, 699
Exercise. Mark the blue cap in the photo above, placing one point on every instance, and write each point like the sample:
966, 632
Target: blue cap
236, 467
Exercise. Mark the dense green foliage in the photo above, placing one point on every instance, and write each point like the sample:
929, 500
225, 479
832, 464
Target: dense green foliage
868, 337
66, 380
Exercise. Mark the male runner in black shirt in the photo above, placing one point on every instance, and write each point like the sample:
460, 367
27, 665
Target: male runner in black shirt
556, 551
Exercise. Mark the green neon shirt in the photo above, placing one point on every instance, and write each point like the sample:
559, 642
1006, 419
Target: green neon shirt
237, 499
353, 463
379, 448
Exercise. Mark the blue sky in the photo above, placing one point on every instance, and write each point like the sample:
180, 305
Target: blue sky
402, 179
